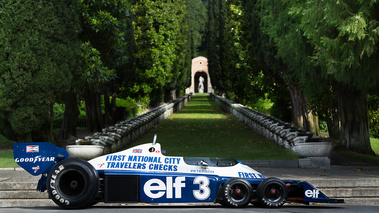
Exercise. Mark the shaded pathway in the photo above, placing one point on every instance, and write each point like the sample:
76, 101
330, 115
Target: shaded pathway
201, 128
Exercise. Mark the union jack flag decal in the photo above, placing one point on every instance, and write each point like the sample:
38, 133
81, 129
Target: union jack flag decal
137, 150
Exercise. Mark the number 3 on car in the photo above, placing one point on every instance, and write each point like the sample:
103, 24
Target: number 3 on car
204, 191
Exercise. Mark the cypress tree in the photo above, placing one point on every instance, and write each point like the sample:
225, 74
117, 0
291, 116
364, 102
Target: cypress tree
345, 38
38, 49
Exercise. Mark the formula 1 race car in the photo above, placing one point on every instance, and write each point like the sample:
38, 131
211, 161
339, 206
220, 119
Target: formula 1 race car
143, 174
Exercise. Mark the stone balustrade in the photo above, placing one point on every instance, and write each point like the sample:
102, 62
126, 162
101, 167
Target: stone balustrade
301, 141
115, 138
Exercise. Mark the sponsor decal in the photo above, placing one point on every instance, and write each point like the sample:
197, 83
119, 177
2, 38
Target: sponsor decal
142, 162
115, 158
172, 188
36, 168
125, 165
312, 193
134, 158
35, 159
32, 149
202, 171
156, 188
162, 167
137, 150
250, 175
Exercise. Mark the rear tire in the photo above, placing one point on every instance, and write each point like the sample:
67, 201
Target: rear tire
272, 192
73, 183
236, 192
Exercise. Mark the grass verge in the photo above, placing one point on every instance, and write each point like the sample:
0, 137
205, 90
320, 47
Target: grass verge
375, 145
6, 159
364, 157
6, 153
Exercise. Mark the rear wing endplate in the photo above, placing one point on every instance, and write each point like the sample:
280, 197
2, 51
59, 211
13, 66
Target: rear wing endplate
39, 157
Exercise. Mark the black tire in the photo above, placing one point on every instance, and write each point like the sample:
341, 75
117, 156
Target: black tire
73, 183
272, 192
236, 192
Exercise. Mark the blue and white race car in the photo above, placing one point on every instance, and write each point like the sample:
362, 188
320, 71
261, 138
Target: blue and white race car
143, 174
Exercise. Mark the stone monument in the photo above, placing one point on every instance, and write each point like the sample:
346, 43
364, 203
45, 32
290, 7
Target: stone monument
201, 84
200, 80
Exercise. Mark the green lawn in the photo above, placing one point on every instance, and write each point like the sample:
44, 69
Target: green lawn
203, 129
375, 145
6, 159
6, 153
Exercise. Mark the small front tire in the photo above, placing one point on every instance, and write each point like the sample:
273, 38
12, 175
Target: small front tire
272, 192
236, 192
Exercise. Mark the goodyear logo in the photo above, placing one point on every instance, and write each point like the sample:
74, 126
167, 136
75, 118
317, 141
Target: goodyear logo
35, 159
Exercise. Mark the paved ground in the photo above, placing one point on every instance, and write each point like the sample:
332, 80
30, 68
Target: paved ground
200, 209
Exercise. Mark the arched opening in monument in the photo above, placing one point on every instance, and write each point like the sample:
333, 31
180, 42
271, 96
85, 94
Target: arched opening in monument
201, 82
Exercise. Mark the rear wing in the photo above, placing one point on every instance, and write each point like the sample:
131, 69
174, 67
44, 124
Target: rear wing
38, 158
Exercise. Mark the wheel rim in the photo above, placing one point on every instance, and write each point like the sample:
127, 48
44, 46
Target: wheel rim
72, 183
238, 192
273, 192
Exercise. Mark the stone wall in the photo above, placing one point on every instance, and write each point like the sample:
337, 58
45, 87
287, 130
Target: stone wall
115, 138
304, 143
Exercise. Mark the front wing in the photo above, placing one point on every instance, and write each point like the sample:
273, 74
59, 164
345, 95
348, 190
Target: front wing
304, 192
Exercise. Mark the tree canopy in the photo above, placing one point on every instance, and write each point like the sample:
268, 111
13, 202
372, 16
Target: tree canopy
38, 49
67, 51
324, 52
312, 57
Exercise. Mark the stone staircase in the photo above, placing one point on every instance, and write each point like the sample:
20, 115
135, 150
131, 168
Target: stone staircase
22, 194
355, 192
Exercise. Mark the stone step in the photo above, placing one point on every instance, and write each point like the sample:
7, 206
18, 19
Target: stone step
23, 195
26, 202
351, 193
345, 183
362, 201
8, 186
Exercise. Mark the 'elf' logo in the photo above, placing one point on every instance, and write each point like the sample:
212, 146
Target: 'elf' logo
312, 193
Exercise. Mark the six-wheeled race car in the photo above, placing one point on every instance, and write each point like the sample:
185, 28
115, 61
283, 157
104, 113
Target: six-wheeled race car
142, 174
